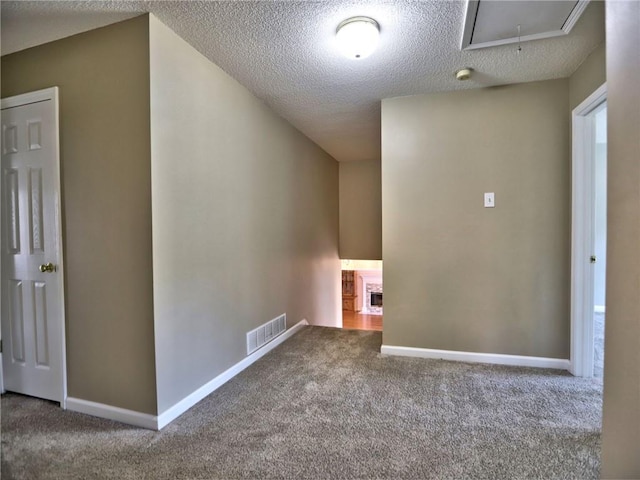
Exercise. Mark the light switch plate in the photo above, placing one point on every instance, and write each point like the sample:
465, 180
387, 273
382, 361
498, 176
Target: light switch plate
489, 200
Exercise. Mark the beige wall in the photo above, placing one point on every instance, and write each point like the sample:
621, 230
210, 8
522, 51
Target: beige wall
459, 276
588, 77
245, 219
103, 77
360, 210
621, 416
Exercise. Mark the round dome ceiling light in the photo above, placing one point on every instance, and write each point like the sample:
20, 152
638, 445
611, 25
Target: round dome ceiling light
358, 37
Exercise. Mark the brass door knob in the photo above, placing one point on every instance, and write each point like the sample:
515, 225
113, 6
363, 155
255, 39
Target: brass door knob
47, 267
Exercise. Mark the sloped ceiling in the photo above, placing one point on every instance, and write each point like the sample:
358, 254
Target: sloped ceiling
285, 53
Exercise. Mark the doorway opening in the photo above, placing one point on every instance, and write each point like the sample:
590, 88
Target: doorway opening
589, 231
362, 295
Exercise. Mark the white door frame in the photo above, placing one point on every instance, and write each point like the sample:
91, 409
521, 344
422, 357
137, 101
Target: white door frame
582, 233
26, 99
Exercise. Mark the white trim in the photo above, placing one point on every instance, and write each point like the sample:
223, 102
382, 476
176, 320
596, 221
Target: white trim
582, 235
599, 309
513, 40
58, 220
575, 15
123, 415
474, 357
189, 401
469, 23
470, 19
153, 422
43, 95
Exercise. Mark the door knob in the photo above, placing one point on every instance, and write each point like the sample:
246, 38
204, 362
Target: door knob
47, 267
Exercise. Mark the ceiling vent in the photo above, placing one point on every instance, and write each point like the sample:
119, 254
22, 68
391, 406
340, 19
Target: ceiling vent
490, 23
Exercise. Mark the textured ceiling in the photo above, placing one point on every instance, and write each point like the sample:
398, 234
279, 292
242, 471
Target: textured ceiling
285, 53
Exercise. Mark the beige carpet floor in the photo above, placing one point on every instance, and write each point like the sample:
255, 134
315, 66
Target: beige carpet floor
327, 405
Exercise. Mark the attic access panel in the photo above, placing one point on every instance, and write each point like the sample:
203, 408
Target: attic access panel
489, 23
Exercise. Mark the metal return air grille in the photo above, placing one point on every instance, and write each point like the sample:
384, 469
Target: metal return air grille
265, 333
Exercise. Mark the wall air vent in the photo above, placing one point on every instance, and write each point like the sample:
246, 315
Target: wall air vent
262, 335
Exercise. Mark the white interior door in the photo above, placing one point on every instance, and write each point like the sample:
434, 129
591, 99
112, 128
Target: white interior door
32, 285
600, 237
583, 234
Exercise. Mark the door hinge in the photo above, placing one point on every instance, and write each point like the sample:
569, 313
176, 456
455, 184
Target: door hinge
0, 345
592, 259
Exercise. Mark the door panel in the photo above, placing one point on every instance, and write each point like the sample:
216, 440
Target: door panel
36, 233
32, 301
17, 321
13, 210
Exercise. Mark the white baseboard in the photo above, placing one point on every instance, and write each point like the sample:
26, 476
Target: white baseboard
494, 358
123, 415
189, 401
153, 422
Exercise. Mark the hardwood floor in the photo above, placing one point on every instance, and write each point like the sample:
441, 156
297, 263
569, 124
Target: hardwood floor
357, 321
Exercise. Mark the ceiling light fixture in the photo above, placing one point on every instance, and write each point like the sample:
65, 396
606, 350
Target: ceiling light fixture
358, 37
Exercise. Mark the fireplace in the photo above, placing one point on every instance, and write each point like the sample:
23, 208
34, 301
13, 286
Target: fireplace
371, 289
376, 299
